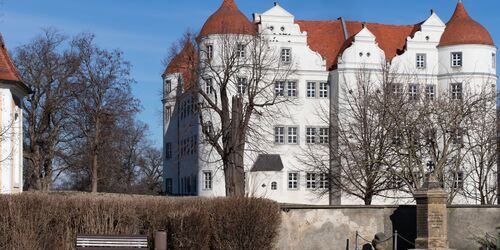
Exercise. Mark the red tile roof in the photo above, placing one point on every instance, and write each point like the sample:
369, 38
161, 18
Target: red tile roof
228, 19
7, 69
327, 37
462, 29
185, 63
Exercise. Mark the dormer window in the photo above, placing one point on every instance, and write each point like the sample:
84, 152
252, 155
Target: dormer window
456, 59
210, 51
286, 55
240, 52
421, 61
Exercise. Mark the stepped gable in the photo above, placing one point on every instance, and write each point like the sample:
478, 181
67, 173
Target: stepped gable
184, 63
228, 19
327, 37
462, 29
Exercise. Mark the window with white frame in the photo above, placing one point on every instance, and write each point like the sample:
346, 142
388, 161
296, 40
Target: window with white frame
311, 89
493, 60
292, 135
209, 89
168, 87
292, 89
413, 92
274, 185
168, 113
240, 52
210, 51
324, 135
207, 180
456, 59
168, 150
421, 61
311, 180
456, 91
310, 135
286, 55
242, 85
397, 137
279, 88
396, 89
323, 180
458, 180
430, 92
279, 135
293, 180
323, 90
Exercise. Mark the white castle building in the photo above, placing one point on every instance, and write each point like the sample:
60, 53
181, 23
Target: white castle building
12, 92
326, 55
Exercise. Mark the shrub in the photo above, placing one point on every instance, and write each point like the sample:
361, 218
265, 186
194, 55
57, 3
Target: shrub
52, 221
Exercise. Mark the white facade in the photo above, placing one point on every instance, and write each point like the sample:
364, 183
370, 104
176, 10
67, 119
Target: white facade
314, 76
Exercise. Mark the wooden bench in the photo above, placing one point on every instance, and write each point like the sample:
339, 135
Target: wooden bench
120, 242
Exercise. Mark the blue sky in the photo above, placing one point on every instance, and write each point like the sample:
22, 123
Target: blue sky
144, 29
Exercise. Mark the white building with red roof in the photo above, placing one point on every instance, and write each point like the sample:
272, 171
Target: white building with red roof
326, 56
12, 91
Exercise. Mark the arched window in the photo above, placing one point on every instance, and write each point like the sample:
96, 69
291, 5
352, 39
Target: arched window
274, 185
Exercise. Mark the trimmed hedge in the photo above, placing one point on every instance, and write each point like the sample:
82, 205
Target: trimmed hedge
52, 221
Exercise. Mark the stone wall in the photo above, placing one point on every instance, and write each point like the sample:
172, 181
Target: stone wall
329, 227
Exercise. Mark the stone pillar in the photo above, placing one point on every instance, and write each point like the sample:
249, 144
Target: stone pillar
432, 216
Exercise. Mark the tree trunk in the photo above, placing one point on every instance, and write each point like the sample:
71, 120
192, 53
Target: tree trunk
95, 154
234, 171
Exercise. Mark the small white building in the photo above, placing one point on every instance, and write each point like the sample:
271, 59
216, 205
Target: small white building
326, 54
12, 92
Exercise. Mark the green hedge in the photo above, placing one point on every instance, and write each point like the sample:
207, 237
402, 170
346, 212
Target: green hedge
51, 221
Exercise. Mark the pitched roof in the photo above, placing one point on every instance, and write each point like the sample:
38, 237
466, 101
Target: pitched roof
184, 63
228, 19
462, 29
327, 37
265, 163
7, 69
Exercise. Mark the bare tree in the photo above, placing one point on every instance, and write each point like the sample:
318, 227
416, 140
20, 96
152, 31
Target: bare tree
50, 69
102, 96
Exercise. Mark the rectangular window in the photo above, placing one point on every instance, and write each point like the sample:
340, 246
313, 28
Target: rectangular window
413, 92
292, 89
240, 52
210, 51
494, 60
168, 150
207, 180
311, 180
430, 136
209, 86
310, 135
311, 89
458, 180
430, 92
397, 137
323, 181
293, 180
168, 113
279, 88
286, 55
457, 136
279, 135
242, 85
396, 89
323, 90
456, 59
292, 135
421, 61
323, 135
168, 87
456, 91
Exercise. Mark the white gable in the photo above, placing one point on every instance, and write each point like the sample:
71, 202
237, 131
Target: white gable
276, 14
365, 35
